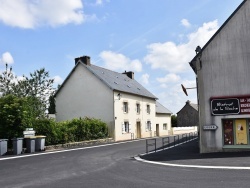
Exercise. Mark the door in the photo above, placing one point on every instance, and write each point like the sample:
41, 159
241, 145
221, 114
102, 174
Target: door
241, 131
157, 130
138, 129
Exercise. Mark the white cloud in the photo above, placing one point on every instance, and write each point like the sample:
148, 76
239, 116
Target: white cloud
57, 80
98, 2
119, 62
144, 79
174, 57
6, 58
32, 13
169, 78
185, 23
173, 96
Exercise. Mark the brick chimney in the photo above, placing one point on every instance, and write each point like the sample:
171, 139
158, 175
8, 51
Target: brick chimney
83, 59
129, 74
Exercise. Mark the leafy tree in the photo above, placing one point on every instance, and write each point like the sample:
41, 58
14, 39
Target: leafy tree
174, 120
38, 86
6, 81
52, 105
16, 114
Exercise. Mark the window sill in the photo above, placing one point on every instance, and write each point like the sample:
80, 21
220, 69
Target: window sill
236, 146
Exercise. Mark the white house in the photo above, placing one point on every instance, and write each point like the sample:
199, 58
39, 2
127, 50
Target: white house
116, 98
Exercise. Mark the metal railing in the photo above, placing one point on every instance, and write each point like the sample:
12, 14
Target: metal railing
151, 142
166, 140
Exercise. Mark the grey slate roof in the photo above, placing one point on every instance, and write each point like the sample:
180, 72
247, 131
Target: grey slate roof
160, 109
118, 81
195, 106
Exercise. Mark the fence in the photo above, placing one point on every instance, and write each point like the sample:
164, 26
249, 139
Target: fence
165, 141
182, 130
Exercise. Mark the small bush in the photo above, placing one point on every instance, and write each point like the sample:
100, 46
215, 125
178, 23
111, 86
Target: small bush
48, 128
75, 130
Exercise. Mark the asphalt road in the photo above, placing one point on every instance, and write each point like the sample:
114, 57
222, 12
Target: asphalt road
110, 166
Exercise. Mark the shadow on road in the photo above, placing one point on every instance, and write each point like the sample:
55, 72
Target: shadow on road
190, 151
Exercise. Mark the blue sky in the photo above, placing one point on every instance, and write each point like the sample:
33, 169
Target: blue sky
154, 38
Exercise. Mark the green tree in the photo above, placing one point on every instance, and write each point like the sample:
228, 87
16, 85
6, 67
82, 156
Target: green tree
16, 114
174, 120
52, 105
6, 81
38, 86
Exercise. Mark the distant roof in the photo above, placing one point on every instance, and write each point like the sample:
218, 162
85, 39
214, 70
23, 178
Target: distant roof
160, 109
116, 81
194, 106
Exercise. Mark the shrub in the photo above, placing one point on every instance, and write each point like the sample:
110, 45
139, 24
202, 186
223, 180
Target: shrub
70, 131
15, 115
50, 129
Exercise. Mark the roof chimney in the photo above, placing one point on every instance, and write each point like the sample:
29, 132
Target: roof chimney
83, 59
188, 102
129, 74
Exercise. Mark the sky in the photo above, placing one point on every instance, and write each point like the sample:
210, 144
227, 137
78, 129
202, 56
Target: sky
156, 39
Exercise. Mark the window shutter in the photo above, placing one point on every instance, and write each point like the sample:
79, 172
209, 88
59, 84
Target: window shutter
123, 128
129, 126
146, 127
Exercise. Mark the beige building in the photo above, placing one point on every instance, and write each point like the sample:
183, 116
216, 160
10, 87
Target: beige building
129, 109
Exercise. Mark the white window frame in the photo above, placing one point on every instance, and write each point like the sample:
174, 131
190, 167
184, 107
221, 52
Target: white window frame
165, 126
125, 107
148, 126
126, 127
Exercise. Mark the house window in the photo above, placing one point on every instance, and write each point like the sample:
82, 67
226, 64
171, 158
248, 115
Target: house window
125, 127
148, 126
137, 108
148, 108
125, 107
228, 132
165, 126
235, 131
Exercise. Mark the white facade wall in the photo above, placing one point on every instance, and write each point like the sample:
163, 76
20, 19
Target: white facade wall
84, 95
132, 117
162, 119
